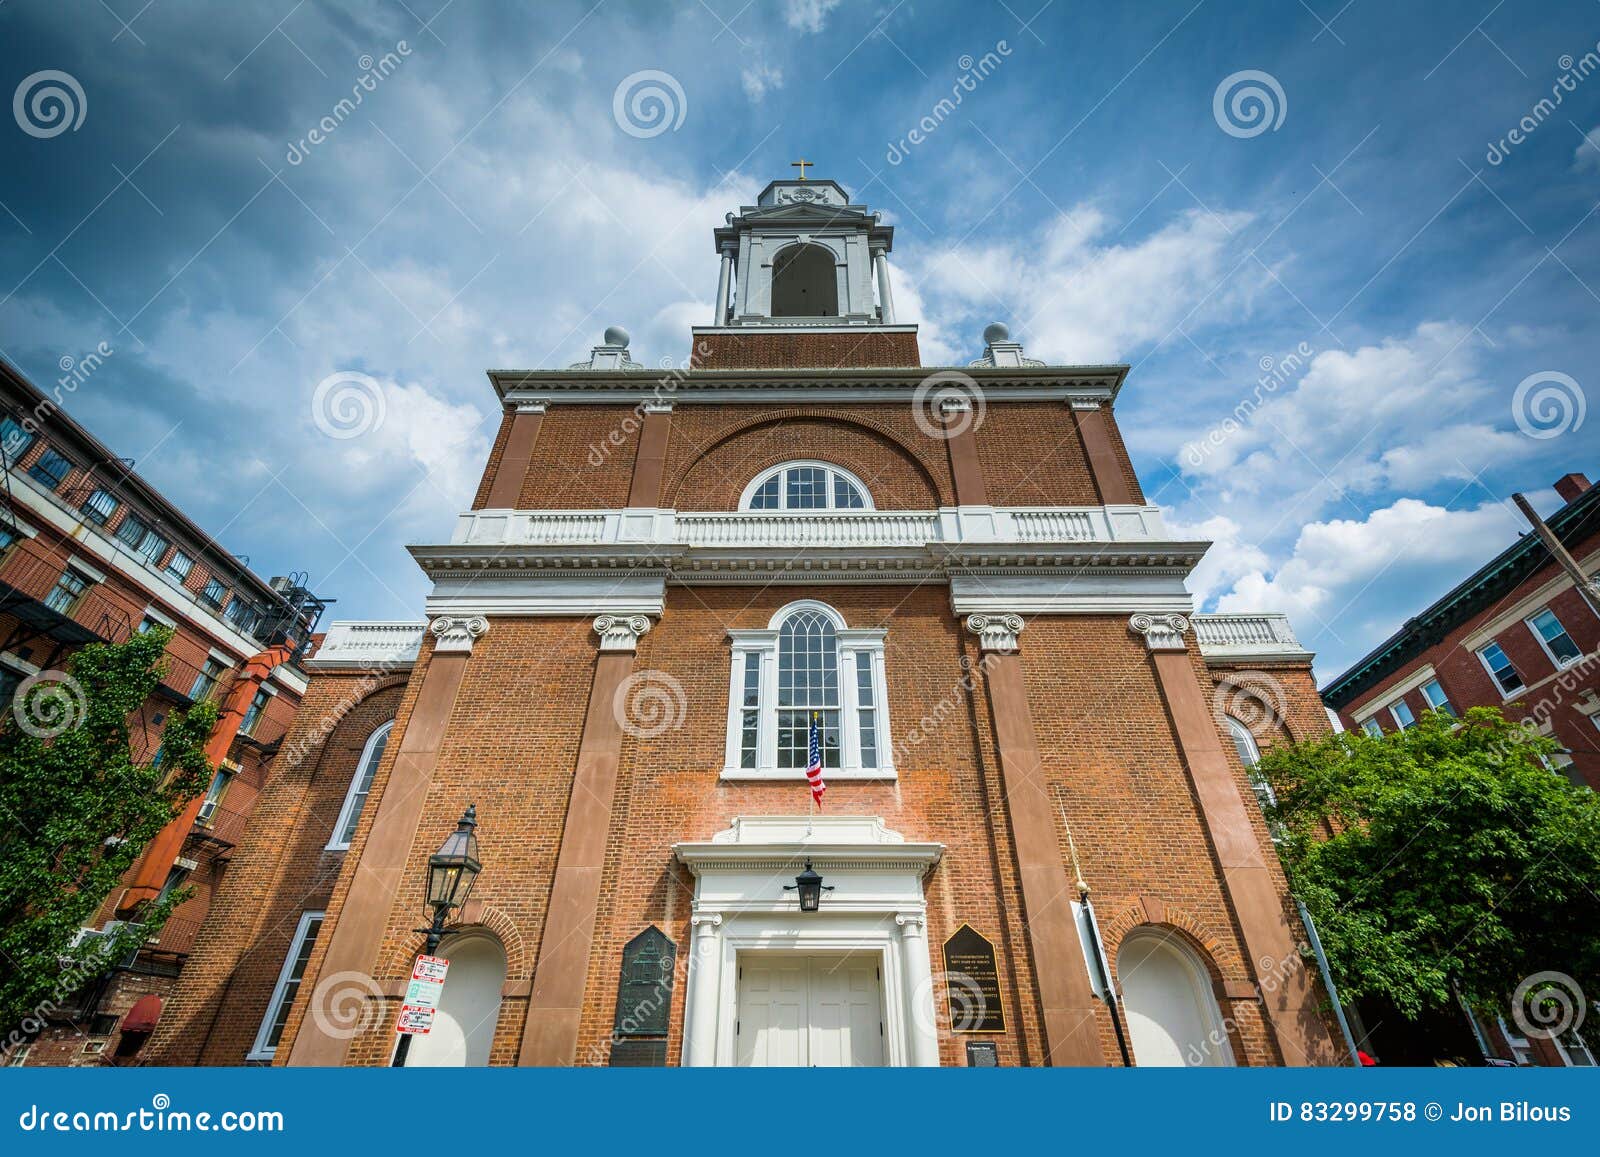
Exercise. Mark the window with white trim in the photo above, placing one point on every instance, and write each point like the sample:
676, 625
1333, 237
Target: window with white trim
360, 785
807, 661
1437, 699
1553, 638
1400, 712
806, 486
1244, 742
1500, 669
288, 987
1373, 728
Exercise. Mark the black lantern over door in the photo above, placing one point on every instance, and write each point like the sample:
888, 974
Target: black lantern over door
808, 884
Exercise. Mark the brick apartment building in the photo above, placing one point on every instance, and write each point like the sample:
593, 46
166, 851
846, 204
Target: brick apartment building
1520, 635
90, 552
661, 580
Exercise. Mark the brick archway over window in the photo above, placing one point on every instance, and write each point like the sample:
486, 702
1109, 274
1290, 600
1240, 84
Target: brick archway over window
899, 473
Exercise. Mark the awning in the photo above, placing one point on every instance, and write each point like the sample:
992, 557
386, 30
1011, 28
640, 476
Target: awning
143, 1015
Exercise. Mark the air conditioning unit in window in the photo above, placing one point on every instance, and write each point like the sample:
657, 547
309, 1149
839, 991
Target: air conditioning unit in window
207, 810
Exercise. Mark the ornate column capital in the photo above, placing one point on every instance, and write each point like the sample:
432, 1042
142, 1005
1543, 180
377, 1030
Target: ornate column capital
1085, 403
531, 406
620, 632
657, 406
711, 920
1161, 632
996, 632
911, 924
455, 634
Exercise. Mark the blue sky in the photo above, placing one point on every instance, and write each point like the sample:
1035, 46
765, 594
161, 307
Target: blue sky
484, 206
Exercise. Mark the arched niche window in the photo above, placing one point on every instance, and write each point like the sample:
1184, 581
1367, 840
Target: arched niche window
1172, 1012
807, 660
344, 829
1244, 741
806, 486
804, 283
469, 1006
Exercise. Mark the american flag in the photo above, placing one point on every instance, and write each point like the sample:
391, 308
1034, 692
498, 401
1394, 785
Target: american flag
814, 759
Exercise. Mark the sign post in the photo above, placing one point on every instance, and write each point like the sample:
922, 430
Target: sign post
422, 996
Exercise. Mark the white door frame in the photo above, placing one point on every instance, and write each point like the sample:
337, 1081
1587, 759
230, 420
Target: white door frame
876, 907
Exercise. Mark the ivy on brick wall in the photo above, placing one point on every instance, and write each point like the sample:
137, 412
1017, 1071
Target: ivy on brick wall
77, 807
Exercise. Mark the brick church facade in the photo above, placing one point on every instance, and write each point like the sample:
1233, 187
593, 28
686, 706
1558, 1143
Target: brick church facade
663, 580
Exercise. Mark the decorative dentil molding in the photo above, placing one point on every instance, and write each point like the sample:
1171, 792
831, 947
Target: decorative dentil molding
996, 632
1161, 632
455, 634
620, 632
531, 406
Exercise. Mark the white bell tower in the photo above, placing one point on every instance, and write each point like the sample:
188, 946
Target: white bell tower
804, 257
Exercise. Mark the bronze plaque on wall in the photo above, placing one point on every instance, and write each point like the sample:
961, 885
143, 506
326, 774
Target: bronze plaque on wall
638, 1054
972, 983
644, 993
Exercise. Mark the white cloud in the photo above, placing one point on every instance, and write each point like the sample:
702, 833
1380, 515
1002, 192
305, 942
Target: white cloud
808, 15
1360, 578
1074, 294
1587, 155
1230, 558
759, 78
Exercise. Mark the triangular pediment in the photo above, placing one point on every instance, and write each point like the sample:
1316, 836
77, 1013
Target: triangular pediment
805, 213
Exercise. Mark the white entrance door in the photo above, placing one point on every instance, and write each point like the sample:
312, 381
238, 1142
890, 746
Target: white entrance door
810, 1010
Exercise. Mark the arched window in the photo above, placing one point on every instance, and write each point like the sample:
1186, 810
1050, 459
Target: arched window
1244, 741
806, 486
1171, 1009
804, 283
807, 660
355, 799
469, 1006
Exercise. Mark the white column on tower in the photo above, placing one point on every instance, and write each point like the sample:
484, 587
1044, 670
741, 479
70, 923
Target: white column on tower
724, 284
921, 1018
704, 995
880, 263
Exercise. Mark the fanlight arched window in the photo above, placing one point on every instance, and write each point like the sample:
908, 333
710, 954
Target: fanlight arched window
1244, 741
469, 1006
344, 829
1167, 997
806, 486
807, 661
804, 282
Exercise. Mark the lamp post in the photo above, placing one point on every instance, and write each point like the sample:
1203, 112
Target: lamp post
810, 887
452, 871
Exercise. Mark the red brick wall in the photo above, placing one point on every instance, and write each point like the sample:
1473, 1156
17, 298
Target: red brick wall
828, 351
1549, 694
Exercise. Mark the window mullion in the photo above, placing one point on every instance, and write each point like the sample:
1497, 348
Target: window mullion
849, 720
767, 729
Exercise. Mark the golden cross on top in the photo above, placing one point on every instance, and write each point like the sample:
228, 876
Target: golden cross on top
802, 165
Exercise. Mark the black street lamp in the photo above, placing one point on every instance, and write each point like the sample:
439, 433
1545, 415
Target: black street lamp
810, 887
452, 871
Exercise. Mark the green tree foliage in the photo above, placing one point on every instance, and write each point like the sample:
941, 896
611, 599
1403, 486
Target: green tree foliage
1445, 857
76, 811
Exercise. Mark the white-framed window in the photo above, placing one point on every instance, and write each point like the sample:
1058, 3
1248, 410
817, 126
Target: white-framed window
220, 783
1553, 638
287, 988
1498, 664
807, 661
806, 486
1244, 741
1400, 712
1373, 728
360, 784
1436, 698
